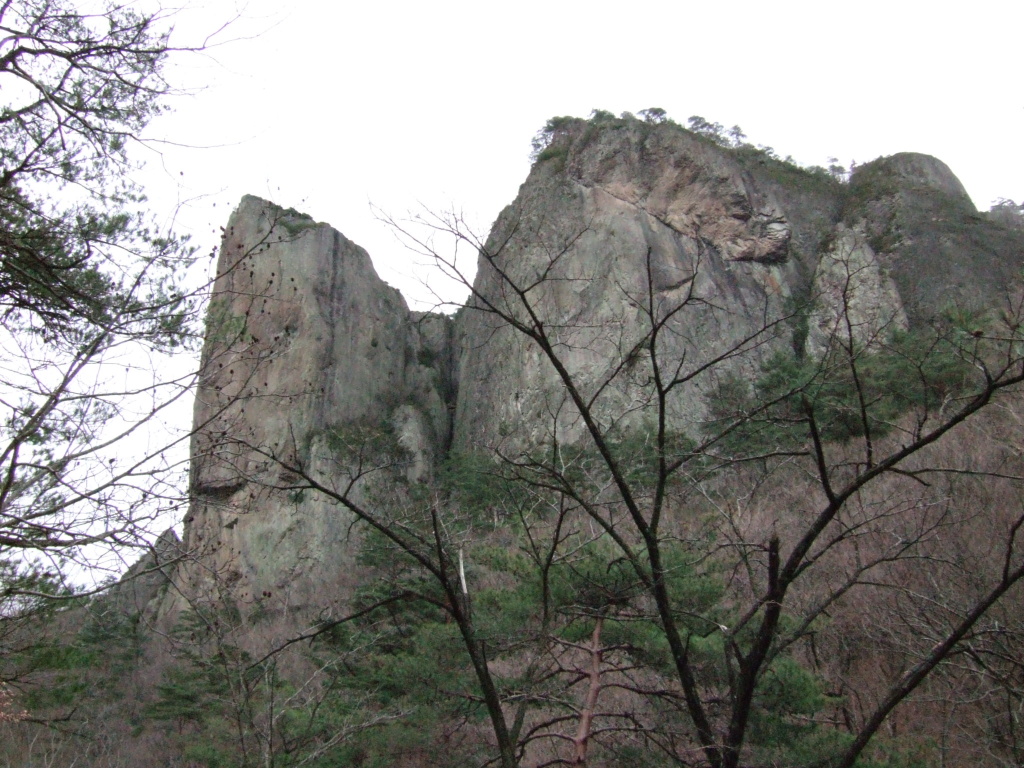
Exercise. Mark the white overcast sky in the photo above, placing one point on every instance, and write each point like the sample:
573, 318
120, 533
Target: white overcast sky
328, 107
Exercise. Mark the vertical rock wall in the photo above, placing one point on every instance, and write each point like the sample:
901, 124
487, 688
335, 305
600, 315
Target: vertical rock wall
629, 226
304, 345
754, 256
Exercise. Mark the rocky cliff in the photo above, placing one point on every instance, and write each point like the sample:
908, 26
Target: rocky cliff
630, 223
305, 346
624, 232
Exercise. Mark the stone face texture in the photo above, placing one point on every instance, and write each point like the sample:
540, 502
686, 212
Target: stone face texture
304, 344
309, 354
855, 303
301, 330
940, 252
637, 222
741, 247
923, 171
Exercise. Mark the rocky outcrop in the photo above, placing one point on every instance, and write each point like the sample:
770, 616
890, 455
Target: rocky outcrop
854, 302
630, 223
939, 251
305, 346
622, 227
632, 227
148, 576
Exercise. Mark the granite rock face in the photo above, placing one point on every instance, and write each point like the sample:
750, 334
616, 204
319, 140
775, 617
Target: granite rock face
633, 227
304, 345
938, 250
621, 228
747, 255
855, 301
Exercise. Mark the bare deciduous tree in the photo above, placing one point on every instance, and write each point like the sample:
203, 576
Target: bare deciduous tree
700, 528
857, 427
